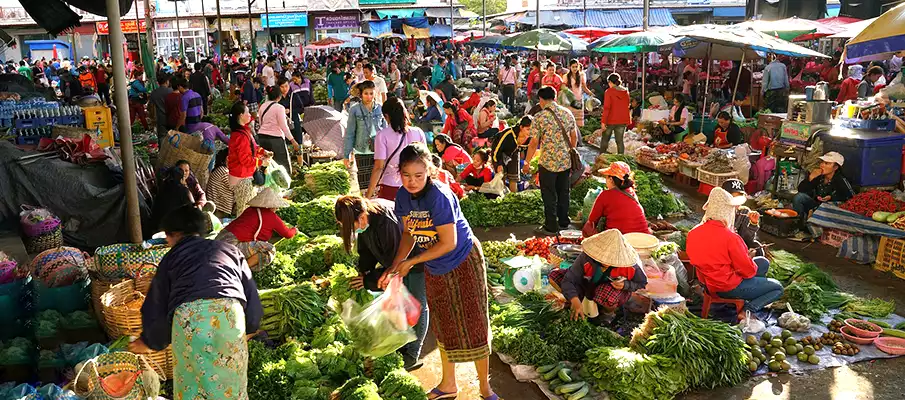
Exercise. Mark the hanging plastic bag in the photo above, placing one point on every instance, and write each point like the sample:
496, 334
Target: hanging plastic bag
385, 324
588, 203
751, 325
495, 186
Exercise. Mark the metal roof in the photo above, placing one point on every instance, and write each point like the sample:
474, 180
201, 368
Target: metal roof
599, 18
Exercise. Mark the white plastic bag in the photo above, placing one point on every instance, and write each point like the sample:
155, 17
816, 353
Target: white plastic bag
751, 325
495, 186
385, 324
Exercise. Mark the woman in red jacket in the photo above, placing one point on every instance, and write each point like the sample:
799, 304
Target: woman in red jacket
534, 81
459, 124
618, 205
251, 232
616, 114
723, 261
245, 156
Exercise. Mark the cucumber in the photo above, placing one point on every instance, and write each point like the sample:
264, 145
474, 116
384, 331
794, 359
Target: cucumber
900, 325
880, 323
579, 394
494, 275
564, 375
570, 388
555, 384
543, 369
552, 373
894, 333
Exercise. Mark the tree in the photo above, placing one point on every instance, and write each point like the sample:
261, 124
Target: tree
493, 6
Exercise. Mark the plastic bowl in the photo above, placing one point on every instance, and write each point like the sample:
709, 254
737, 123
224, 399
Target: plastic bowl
890, 345
863, 333
643, 243
791, 213
848, 333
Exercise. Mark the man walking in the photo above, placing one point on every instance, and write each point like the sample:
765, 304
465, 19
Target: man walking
776, 86
158, 107
552, 125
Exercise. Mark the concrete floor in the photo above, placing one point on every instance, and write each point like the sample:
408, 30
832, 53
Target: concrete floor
880, 379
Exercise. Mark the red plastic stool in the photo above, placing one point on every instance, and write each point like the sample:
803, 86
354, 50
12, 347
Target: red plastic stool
711, 299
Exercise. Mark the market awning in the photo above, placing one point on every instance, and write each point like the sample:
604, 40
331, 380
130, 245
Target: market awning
378, 28
729, 12
444, 13
400, 13
599, 18
440, 30
417, 33
879, 40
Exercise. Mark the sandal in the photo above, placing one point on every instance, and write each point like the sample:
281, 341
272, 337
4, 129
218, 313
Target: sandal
441, 395
492, 397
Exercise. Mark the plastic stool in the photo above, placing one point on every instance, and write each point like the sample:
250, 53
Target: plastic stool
711, 299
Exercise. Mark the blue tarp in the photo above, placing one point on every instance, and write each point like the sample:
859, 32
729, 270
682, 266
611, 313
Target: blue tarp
862, 247
439, 30
379, 27
417, 22
729, 11
628, 18
401, 13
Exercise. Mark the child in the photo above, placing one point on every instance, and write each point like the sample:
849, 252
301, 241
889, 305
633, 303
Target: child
686, 85
477, 173
636, 113
444, 176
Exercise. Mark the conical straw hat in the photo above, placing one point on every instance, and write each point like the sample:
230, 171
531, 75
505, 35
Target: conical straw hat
268, 199
610, 248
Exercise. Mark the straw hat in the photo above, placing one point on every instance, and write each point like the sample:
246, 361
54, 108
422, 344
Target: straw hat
268, 199
720, 207
610, 248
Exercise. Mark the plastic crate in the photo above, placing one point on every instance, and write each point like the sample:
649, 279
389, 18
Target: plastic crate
872, 158
891, 256
779, 227
25, 123
887, 125
834, 237
71, 120
100, 117
714, 179
28, 140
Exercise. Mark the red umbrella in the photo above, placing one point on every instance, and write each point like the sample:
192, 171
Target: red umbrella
329, 41
826, 27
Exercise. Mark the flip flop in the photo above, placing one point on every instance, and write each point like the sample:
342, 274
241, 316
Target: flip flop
492, 397
441, 395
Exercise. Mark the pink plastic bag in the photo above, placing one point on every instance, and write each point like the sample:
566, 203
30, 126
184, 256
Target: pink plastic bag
399, 299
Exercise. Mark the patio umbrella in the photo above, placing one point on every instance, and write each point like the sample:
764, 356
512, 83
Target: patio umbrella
540, 40
880, 39
827, 27
589, 33
579, 45
853, 29
489, 41
785, 29
326, 126
328, 41
638, 42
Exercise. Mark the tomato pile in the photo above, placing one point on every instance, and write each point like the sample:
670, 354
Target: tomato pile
868, 202
541, 246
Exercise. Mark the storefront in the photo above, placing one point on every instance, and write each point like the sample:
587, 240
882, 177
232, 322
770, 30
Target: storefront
339, 25
236, 32
194, 41
286, 29
130, 27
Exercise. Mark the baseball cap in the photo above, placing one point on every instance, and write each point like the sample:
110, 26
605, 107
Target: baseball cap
833, 157
735, 186
618, 169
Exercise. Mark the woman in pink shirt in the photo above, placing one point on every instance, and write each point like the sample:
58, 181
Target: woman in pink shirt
388, 145
452, 154
274, 133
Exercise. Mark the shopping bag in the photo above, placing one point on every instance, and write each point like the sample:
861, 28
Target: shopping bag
495, 186
385, 324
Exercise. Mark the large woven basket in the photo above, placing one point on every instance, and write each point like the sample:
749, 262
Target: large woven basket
87, 382
162, 362
60, 266
126, 260
122, 309
46, 241
99, 286
188, 147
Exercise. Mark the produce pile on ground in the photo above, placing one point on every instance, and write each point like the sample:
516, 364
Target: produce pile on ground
654, 197
871, 201
317, 216
321, 179
627, 375
301, 258
524, 207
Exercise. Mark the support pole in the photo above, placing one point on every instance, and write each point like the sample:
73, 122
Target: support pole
207, 44
537, 25
137, 30
251, 35
645, 23
130, 184
706, 85
484, 17
452, 32
584, 14
220, 35
269, 35
181, 49
149, 31
738, 76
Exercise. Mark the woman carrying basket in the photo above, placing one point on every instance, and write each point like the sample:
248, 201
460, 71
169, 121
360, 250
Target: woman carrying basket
202, 301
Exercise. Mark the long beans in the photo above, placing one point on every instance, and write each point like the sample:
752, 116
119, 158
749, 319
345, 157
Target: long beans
294, 310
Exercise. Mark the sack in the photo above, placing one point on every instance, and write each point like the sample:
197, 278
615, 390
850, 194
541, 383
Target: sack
189, 147
385, 324
751, 325
495, 186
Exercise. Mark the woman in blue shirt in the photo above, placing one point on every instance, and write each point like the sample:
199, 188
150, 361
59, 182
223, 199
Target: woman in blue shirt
365, 119
456, 282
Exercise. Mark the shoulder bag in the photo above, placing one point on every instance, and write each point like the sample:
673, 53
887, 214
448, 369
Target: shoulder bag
384, 170
260, 176
577, 165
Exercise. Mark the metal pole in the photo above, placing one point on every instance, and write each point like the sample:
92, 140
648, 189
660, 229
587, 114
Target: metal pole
219, 33
137, 30
755, 9
706, 85
149, 31
645, 23
452, 32
537, 15
269, 35
737, 78
251, 35
179, 31
584, 7
484, 17
204, 19
133, 217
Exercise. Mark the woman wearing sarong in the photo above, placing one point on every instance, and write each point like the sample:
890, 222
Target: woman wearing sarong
202, 301
456, 280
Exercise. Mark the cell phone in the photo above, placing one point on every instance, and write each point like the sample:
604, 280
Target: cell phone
618, 279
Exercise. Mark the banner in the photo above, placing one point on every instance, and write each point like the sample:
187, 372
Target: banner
128, 26
287, 20
337, 21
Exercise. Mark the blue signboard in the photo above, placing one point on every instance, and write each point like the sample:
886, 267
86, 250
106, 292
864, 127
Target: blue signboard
287, 20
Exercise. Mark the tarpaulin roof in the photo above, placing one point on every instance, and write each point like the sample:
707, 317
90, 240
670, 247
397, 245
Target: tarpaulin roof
444, 13
401, 13
417, 33
417, 22
439, 30
378, 28
599, 18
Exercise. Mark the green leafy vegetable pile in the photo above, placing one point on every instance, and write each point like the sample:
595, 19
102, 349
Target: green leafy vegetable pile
79, 320
17, 352
267, 376
806, 298
381, 366
874, 308
292, 246
316, 217
524, 207
327, 178
577, 194
591, 124
359, 388
710, 353
783, 266
290, 214
295, 310
317, 256
627, 375
331, 331
810, 273
340, 277
654, 197
279, 273
221, 106
401, 385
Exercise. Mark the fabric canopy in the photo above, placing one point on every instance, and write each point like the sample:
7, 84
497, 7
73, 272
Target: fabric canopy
853, 29
730, 43
401, 13
880, 39
439, 30
785, 29
599, 18
417, 22
417, 33
380, 27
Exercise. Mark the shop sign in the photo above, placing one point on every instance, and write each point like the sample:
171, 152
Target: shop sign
236, 24
285, 20
185, 23
128, 26
795, 133
336, 21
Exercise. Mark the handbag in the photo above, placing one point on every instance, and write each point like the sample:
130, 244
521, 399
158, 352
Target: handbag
259, 178
574, 158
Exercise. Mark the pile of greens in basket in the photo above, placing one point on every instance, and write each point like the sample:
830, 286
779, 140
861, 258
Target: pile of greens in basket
317, 256
710, 353
316, 217
18, 351
524, 207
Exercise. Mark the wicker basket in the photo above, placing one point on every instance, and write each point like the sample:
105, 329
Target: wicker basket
120, 319
47, 241
891, 256
87, 382
161, 362
99, 286
714, 179
126, 260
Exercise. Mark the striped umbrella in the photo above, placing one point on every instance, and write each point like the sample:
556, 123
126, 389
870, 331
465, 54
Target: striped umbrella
880, 39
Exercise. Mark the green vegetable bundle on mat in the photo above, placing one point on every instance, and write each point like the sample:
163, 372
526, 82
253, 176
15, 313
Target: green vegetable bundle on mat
295, 310
334, 330
292, 246
524, 345
783, 265
340, 277
317, 217
834, 300
809, 272
378, 368
654, 197
495, 251
279, 273
359, 388
319, 254
806, 298
327, 178
710, 353
79, 320
524, 207
401, 385
627, 375
267, 376
874, 308
290, 214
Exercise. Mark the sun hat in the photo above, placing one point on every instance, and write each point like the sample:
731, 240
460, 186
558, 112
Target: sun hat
720, 207
610, 248
618, 169
268, 199
833, 157
735, 186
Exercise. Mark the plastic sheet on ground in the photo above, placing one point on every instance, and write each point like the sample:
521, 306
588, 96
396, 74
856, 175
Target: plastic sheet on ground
827, 358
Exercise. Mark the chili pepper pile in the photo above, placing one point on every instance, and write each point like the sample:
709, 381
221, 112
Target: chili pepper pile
866, 203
